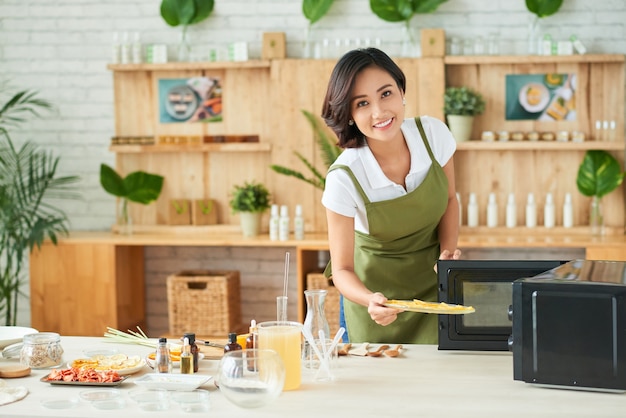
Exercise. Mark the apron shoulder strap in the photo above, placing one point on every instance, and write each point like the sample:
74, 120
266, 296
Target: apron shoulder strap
354, 180
418, 121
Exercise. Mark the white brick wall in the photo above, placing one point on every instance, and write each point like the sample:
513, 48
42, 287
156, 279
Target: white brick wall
61, 48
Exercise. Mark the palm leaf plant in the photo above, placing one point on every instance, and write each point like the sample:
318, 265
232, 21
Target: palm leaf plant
29, 182
330, 152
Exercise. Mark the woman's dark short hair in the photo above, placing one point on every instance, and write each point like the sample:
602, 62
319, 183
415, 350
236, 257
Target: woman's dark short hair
336, 109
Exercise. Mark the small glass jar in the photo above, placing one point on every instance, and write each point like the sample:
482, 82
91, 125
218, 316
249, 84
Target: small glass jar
42, 350
503, 136
488, 136
533, 136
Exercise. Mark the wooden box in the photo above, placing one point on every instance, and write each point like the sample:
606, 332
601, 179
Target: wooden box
331, 305
204, 212
205, 302
433, 42
179, 212
273, 45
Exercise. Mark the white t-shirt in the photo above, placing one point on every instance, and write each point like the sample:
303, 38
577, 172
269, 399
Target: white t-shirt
340, 194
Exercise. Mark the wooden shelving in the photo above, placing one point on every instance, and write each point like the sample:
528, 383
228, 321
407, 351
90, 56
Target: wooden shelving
477, 145
531, 59
229, 147
190, 66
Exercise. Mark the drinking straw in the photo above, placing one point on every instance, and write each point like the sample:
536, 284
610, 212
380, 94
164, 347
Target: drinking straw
281, 301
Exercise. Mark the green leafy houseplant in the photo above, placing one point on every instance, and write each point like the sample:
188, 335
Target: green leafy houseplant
185, 13
138, 186
28, 182
250, 197
598, 175
330, 152
403, 11
314, 10
463, 101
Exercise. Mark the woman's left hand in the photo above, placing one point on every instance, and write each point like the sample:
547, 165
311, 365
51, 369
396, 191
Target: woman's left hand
447, 255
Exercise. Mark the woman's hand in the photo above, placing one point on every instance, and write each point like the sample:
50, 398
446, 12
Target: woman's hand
379, 313
446, 255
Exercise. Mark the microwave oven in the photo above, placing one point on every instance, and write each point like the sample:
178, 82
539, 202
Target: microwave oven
569, 327
487, 286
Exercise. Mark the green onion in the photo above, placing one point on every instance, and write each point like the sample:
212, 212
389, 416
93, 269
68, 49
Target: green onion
132, 337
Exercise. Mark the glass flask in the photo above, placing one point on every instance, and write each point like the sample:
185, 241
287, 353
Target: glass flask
315, 321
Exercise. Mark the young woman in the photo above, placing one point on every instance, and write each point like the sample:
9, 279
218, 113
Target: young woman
390, 200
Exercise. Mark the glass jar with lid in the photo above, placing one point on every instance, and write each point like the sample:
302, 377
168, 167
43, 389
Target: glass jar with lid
41, 350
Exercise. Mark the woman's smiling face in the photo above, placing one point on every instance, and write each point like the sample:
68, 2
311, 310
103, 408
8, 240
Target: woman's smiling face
377, 105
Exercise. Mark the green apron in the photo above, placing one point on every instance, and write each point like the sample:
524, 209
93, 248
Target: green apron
398, 256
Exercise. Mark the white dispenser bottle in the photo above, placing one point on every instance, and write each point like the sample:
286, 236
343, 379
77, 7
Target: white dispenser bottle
274, 223
568, 211
283, 224
531, 211
298, 223
492, 211
511, 212
472, 211
548, 211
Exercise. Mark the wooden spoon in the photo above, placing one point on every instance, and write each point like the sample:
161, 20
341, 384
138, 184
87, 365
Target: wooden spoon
343, 351
394, 352
378, 352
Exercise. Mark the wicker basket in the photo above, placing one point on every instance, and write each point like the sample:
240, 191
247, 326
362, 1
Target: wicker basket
205, 302
331, 306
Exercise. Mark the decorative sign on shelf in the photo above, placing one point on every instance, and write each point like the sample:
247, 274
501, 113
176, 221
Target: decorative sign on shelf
544, 97
196, 99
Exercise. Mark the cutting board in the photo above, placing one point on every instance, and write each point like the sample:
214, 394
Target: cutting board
13, 370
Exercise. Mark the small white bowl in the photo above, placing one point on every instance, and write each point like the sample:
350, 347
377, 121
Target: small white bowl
151, 399
193, 401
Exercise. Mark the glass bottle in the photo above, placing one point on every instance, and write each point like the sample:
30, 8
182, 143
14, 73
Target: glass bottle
186, 358
315, 321
41, 350
232, 345
163, 360
194, 349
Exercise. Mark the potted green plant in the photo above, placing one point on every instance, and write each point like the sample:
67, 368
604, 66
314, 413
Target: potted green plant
461, 105
330, 152
598, 175
138, 186
185, 13
28, 181
250, 200
403, 11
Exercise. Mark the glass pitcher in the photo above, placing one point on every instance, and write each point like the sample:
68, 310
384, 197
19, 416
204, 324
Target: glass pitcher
315, 321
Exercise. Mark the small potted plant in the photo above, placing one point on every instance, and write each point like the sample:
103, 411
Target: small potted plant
461, 105
598, 175
250, 200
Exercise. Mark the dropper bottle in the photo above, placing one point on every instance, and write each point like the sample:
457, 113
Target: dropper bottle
186, 358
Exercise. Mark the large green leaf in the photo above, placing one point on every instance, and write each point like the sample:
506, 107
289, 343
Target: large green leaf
186, 12
138, 186
599, 174
314, 10
203, 9
402, 10
543, 8
392, 10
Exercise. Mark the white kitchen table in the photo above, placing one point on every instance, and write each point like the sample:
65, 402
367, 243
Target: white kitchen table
422, 382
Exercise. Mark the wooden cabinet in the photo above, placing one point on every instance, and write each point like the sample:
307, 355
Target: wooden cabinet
543, 166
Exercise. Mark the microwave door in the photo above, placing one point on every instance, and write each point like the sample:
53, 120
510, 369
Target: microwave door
491, 299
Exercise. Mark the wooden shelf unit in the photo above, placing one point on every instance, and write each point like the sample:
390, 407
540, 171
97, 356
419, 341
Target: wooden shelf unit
538, 167
232, 147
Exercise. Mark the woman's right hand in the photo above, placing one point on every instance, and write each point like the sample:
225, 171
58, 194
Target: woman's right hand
379, 313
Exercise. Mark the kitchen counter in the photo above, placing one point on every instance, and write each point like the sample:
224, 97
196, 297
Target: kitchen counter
422, 382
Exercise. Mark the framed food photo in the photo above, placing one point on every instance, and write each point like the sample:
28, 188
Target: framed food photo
545, 97
188, 100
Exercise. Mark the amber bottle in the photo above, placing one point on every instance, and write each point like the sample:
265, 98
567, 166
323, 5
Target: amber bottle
194, 349
232, 343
